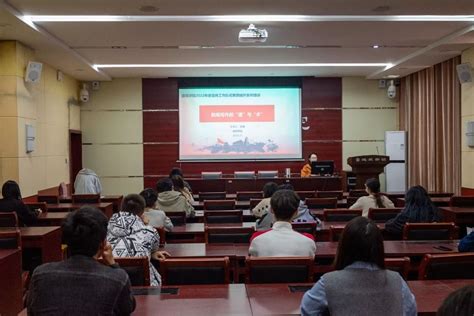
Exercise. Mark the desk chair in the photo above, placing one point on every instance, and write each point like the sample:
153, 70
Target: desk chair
197, 270
8, 219
340, 215
162, 233
351, 200
279, 269
335, 233
381, 215
309, 228
37, 205
85, 198
429, 231
223, 217
253, 203
230, 235
330, 194
177, 218
10, 239
212, 196
247, 195
400, 265
321, 203
357, 193
440, 194
447, 266
137, 268
462, 201
48, 199
219, 205
306, 194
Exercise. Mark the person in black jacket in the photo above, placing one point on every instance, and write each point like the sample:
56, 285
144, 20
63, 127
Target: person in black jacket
418, 209
12, 202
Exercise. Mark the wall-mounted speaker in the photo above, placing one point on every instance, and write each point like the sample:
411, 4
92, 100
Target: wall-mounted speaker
464, 72
33, 72
470, 134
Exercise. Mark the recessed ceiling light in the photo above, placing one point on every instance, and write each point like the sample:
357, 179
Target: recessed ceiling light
375, 46
386, 65
252, 18
392, 76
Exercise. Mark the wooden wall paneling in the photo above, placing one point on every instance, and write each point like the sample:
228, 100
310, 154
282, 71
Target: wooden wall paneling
321, 92
161, 126
323, 124
160, 93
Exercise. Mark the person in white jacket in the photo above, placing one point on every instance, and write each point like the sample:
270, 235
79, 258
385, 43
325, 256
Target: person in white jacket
87, 182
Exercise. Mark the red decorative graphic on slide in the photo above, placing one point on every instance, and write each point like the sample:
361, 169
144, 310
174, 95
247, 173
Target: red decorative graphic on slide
236, 113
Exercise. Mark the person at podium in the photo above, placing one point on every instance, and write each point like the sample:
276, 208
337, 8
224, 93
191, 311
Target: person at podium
306, 170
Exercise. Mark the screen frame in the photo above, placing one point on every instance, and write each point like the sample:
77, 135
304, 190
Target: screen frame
236, 86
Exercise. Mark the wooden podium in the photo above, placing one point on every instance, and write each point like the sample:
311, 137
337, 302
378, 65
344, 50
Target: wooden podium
366, 167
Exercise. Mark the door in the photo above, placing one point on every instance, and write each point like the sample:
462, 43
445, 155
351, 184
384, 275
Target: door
75, 154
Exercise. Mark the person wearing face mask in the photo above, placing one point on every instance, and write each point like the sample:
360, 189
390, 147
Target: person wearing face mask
306, 170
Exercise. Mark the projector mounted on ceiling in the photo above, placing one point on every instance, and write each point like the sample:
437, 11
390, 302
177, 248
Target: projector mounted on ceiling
253, 35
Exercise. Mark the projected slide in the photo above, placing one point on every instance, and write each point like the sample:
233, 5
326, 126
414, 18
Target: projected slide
239, 123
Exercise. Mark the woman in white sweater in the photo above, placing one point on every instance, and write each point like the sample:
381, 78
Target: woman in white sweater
373, 200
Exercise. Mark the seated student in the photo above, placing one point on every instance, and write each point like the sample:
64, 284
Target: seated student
262, 209
12, 202
81, 285
306, 170
87, 182
373, 200
156, 218
282, 240
178, 172
467, 243
418, 209
459, 303
130, 235
361, 285
178, 185
303, 215
172, 201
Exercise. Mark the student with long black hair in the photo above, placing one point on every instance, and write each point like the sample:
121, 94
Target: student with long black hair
12, 202
360, 285
374, 199
418, 209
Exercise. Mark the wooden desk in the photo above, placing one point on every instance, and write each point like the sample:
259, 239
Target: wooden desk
51, 218
107, 208
197, 300
274, 299
239, 251
11, 289
194, 232
199, 217
395, 248
48, 239
116, 200
232, 185
438, 201
245, 205
461, 216
430, 294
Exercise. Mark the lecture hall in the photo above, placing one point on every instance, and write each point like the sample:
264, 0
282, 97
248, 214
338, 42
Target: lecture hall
251, 157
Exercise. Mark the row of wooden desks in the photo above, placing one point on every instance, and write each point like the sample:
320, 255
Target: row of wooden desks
264, 299
46, 239
107, 208
116, 200
324, 249
11, 287
232, 185
199, 205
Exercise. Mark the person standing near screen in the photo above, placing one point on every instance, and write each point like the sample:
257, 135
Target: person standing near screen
306, 170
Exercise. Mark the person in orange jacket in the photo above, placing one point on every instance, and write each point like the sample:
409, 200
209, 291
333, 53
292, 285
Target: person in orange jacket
306, 170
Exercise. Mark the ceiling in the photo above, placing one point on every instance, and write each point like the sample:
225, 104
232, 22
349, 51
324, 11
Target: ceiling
74, 47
